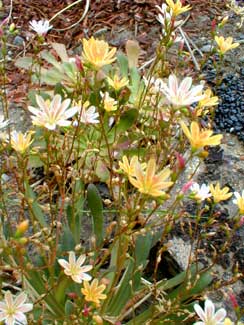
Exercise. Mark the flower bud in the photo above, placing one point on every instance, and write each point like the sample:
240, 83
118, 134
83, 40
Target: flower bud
78, 63
12, 28
98, 319
22, 228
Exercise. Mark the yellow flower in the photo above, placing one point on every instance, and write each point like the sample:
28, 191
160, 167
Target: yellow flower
20, 142
225, 45
147, 182
209, 99
109, 103
219, 194
129, 167
117, 83
93, 291
22, 227
239, 201
200, 138
227, 321
97, 52
177, 7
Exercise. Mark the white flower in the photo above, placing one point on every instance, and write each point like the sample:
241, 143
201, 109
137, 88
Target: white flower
165, 17
201, 192
52, 114
41, 27
184, 94
239, 201
156, 84
3, 123
12, 309
208, 315
89, 116
74, 269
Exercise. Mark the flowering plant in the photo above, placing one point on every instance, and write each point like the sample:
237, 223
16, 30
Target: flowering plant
91, 193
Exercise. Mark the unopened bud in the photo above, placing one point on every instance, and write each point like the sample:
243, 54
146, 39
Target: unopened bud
223, 22
98, 319
21, 228
78, 63
12, 28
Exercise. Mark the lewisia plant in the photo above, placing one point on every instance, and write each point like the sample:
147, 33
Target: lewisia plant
208, 315
51, 114
200, 138
97, 53
41, 27
13, 309
183, 94
145, 179
225, 44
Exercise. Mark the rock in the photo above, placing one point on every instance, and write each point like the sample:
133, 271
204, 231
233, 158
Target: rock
207, 48
18, 41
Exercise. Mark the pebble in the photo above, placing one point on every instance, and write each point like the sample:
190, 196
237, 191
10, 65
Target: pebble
207, 48
229, 114
18, 41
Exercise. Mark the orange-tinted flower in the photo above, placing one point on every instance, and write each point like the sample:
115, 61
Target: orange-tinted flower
20, 142
93, 291
219, 194
209, 99
129, 167
117, 83
148, 182
200, 138
97, 52
109, 103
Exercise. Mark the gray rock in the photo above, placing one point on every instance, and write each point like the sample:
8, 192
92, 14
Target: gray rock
207, 48
18, 41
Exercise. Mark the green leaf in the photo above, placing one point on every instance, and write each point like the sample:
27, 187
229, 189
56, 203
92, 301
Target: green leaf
96, 206
35, 209
67, 240
123, 292
75, 211
51, 77
46, 55
123, 64
133, 51
61, 51
69, 308
127, 120
24, 63
197, 286
102, 171
36, 285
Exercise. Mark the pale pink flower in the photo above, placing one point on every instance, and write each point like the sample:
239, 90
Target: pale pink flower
41, 27
12, 309
52, 114
74, 269
201, 192
89, 116
165, 17
3, 122
183, 94
208, 315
